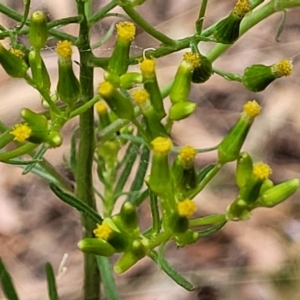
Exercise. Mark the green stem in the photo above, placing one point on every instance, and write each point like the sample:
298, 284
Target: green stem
208, 220
199, 22
252, 19
208, 177
147, 27
11, 13
83, 108
100, 14
84, 179
228, 76
25, 149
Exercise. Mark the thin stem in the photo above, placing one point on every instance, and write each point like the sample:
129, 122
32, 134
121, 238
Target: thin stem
199, 22
11, 13
208, 220
83, 108
147, 27
208, 177
252, 19
100, 14
25, 149
84, 180
228, 76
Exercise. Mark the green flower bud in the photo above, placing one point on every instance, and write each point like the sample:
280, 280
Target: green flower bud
230, 147
54, 139
251, 190
147, 67
151, 119
129, 217
203, 72
160, 176
68, 86
39, 71
38, 32
178, 224
257, 77
129, 80
227, 30
186, 238
13, 65
119, 60
96, 246
278, 193
104, 119
267, 184
244, 168
34, 119
118, 103
181, 110
238, 211
38, 124
131, 257
182, 82
109, 232
184, 172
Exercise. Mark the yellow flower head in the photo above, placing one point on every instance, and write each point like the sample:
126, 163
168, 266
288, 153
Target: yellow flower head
283, 68
186, 208
102, 232
64, 49
17, 52
140, 96
241, 8
105, 89
252, 109
161, 145
192, 59
262, 171
187, 154
101, 107
126, 31
21, 132
147, 66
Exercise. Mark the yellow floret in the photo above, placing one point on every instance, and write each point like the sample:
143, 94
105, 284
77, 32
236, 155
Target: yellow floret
105, 89
147, 66
241, 8
283, 68
101, 107
186, 208
102, 232
17, 52
252, 108
64, 49
21, 132
140, 96
126, 31
192, 58
262, 171
161, 145
187, 153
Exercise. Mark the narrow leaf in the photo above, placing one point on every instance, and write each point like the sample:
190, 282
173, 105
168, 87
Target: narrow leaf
211, 230
202, 173
178, 278
7, 284
138, 181
76, 203
52, 291
107, 277
36, 157
128, 160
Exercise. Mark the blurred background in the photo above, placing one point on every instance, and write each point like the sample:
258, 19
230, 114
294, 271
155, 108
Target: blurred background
254, 260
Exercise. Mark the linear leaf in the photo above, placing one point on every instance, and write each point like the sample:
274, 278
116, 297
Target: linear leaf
76, 203
7, 284
52, 291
